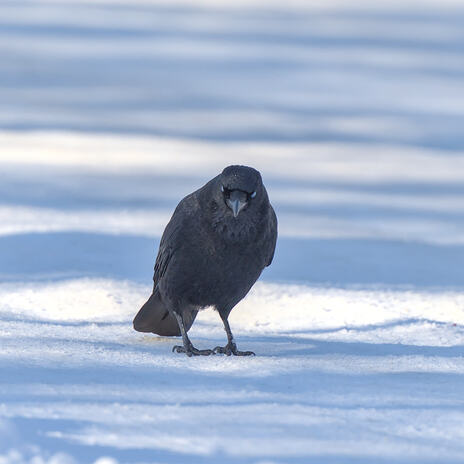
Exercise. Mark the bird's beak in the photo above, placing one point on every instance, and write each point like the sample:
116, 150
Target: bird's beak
236, 201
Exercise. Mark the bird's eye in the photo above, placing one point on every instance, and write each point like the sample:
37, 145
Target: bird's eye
253, 195
225, 191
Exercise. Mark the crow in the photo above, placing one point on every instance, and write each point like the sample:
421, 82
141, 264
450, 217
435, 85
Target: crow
214, 248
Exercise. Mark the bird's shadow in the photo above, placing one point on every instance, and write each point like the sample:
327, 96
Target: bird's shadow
296, 344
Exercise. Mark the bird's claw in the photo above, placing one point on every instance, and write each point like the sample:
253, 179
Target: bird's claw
231, 348
192, 351
222, 350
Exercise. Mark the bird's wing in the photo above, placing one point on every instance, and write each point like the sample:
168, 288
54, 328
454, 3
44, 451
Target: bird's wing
161, 264
170, 241
166, 250
272, 236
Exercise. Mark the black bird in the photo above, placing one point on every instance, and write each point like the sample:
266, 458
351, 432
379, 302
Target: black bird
212, 251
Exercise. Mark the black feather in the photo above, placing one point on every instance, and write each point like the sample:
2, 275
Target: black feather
208, 257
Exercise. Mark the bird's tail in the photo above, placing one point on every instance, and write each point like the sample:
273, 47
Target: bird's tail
154, 317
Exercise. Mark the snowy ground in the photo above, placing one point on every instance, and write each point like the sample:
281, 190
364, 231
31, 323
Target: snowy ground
111, 111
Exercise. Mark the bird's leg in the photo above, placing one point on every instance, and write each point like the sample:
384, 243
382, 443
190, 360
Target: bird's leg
188, 348
231, 347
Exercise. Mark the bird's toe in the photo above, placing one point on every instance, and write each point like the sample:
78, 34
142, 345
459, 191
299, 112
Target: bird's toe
244, 353
203, 352
231, 349
227, 350
192, 351
181, 349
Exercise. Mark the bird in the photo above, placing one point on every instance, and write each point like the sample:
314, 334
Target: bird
214, 248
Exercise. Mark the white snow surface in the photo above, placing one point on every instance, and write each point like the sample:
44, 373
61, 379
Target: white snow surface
112, 111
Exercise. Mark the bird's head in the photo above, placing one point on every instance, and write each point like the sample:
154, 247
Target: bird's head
240, 187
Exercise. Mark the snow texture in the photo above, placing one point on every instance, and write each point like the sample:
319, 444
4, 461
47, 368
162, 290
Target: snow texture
111, 111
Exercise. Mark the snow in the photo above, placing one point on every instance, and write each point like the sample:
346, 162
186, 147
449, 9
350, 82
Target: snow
112, 111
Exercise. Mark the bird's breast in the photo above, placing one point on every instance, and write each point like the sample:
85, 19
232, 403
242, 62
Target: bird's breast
216, 268
221, 275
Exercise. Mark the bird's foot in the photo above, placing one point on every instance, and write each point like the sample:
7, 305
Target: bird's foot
192, 351
231, 348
